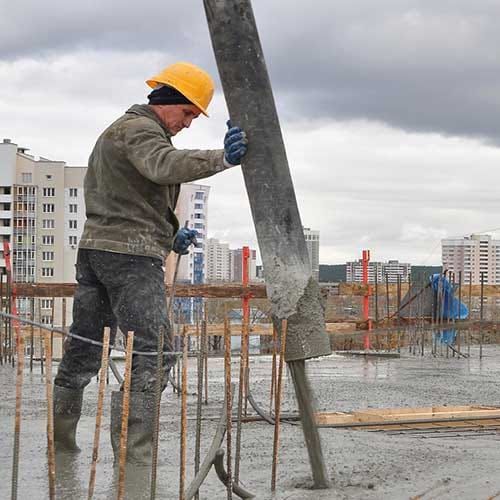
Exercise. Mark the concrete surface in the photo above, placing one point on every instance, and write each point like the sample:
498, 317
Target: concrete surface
362, 465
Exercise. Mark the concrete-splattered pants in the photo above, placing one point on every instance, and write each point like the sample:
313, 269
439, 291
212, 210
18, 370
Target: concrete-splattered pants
122, 290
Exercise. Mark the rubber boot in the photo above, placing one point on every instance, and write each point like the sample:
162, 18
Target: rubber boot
67, 411
140, 426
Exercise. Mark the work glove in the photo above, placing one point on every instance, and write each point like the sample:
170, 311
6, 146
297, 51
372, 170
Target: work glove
235, 145
183, 240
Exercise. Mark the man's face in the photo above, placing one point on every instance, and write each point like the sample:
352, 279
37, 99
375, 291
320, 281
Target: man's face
178, 116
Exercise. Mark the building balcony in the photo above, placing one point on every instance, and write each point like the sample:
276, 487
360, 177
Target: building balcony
5, 214
5, 231
5, 198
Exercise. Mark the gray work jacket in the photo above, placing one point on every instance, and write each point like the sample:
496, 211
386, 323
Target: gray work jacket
133, 182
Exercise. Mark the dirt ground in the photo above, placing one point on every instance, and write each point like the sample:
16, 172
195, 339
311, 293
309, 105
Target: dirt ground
362, 465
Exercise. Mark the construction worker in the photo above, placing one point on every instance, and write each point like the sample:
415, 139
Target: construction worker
131, 189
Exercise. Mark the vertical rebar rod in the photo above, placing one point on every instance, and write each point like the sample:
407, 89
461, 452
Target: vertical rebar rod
125, 413
277, 404
376, 295
2, 350
273, 368
199, 398
32, 332
52, 316
51, 455
182, 469
98, 417
241, 394
229, 409
158, 391
204, 333
459, 332
17, 422
481, 317
470, 293
40, 337
387, 296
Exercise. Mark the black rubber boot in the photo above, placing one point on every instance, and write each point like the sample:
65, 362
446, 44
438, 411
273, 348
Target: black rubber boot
67, 411
140, 426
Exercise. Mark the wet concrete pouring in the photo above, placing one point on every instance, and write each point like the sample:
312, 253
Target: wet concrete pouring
361, 465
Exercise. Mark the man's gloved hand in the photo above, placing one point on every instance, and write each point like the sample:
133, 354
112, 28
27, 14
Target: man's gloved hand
235, 145
183, 240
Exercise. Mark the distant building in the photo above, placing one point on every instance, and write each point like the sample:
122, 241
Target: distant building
392, 269
218, 261
192, 208
472, 255
312, 242
42, 213
226, 264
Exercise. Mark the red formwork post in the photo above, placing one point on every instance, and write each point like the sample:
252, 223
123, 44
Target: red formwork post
366, 299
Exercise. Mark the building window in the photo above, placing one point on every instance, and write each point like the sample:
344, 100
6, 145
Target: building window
73, 208
199, 195
49, 192
72, 241
198, 216
73, 192
47, 240
199, 225
48, 223
72, 224
26, 177
47, 256
198, 206
46, 320
48, 208
47, 272
46, 303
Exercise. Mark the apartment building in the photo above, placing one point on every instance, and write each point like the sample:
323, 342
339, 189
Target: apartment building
312, 241
191, 209
218, 261
473, 255
383, 271
42, 212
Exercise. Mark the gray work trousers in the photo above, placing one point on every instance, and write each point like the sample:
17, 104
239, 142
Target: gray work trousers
113, 290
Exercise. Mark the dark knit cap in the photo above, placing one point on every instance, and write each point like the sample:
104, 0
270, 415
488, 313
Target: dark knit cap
167, 95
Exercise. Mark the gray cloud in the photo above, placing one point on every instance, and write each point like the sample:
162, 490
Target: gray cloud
418, 65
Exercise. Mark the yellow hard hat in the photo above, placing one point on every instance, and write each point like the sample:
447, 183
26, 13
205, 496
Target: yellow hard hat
190, 80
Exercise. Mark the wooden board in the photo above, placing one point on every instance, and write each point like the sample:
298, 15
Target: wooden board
412, 418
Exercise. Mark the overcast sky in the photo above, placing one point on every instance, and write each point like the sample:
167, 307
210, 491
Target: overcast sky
390, 109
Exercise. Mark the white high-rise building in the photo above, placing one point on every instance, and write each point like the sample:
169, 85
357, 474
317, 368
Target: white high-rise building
472, 255
42, 213
312, 242
389, 270
192, 207
218, 261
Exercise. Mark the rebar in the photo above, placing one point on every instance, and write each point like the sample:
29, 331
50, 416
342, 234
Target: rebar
481, 317
229, 410
273, 369
241, 395
204, 335
156, 429
277, 404
17, 422
51, 454
32, 333
182, 469
98, 417
125, 413
199, 397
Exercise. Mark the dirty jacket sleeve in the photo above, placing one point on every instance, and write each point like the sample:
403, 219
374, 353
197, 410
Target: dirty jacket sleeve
154, 156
